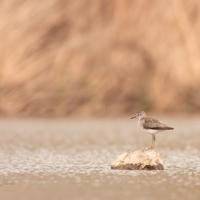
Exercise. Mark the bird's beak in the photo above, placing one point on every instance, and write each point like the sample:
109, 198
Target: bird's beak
134, 117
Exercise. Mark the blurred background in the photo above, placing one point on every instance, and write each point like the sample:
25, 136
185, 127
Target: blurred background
99, 58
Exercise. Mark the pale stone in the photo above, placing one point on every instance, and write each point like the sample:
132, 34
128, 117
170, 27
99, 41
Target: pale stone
138, 160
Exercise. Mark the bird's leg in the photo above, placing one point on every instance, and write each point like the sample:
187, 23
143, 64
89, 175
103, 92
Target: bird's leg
152, 142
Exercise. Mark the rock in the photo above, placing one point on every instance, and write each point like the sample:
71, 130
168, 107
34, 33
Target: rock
138, 160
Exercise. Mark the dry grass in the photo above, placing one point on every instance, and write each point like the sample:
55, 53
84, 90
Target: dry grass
103, 57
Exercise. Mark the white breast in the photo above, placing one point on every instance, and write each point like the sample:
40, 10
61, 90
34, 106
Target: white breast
153, 131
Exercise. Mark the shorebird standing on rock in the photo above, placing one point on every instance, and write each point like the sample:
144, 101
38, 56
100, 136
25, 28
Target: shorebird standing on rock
151, 125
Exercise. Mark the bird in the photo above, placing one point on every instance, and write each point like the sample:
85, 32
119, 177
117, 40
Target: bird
151, 125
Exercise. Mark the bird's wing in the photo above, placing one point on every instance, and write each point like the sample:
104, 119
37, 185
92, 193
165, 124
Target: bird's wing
150, 123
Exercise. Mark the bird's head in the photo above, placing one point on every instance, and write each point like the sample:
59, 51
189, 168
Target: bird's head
139, 114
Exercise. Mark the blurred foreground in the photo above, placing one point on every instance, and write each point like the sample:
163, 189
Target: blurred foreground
56, 159
107, 57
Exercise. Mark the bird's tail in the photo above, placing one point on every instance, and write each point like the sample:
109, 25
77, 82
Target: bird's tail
169, 128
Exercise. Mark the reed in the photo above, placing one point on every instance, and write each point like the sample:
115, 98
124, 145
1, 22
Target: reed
107, 57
